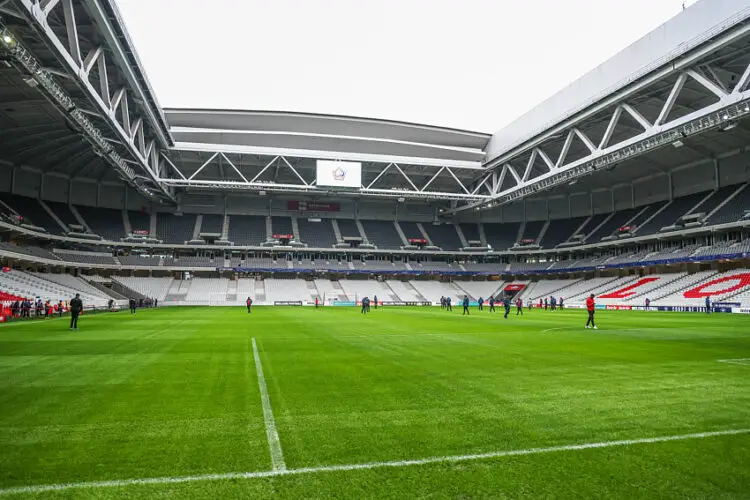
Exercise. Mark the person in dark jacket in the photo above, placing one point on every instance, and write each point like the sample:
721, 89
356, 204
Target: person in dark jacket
76, 306
492, 303
506, 304
466, 305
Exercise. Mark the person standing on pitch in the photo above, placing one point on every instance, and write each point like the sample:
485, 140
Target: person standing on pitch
492, 304
76, 306
546, 303
448, 304
648, 303
249, 303
466, 305
364, 305
561, 303
591, 307
131, 303
708, 305
316, 302
481, 303
375, 299
506, 304
519, 307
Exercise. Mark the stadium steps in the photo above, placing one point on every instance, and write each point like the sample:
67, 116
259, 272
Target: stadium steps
424, 234
103, 288
543, 231
197, 227
177, 291
521, 230
295, 228
404, 240
601, 224
409, 286
461, 291
314, 292
361, 230
461, 236
636, 216
653, 215
231, 291
482, 235
340, 290
337, 231
152, 226
126, 223
54, 216
260, 291
80, 219
269, 228
225, 228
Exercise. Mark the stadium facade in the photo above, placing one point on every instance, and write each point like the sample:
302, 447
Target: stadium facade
640, 166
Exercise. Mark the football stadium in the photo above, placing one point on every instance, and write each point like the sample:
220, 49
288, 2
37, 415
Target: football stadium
212, 303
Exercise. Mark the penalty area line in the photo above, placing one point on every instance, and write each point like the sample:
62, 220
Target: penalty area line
363, 466
272, 435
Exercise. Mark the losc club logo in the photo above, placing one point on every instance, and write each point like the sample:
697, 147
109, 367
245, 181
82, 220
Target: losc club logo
339, 174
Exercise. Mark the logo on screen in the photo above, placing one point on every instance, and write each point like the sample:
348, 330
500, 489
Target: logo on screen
339, 174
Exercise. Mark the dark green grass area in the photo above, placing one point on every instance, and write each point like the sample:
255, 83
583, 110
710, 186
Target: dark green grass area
174, 392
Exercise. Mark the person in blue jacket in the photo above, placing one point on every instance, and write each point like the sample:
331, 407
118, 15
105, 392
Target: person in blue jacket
466, 305
481, 303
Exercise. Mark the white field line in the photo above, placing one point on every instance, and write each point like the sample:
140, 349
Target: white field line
365, 466
277, 456
736, 361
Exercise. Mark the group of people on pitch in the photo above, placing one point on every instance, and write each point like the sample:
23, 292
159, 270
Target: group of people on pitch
446, 303
552, 303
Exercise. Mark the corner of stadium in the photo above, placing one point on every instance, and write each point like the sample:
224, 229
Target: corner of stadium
172, 224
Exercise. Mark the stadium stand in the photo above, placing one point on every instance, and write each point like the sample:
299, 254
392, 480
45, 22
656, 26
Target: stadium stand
31, 251
171, 228
247, 229
348, 228
287, 290
317, 234
444, 236
382, 234
531, 231
410, 230
734, 210
673, 211
282, 225
33, 213
560, 231
141, 221
105, 222
356, 289
148, 287
24, 284
476, 289
81, 257
405, 291
212, 223
63, 212
617, 220
501, 236
471, 232
206, 291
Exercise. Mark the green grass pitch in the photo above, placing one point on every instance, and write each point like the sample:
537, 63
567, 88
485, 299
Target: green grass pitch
175, 392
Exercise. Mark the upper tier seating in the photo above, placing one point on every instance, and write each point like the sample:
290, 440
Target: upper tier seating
177, 229
317, 234
247, 230
382, 234
32, 212
501, 236
105, 222
444, 236
212, 223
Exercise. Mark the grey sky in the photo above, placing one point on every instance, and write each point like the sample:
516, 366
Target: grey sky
472, 64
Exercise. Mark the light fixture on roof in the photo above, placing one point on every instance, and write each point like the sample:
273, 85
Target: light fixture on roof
728, 126
678, 143
8, 39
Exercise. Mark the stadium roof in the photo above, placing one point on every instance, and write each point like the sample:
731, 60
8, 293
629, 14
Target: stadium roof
75, 101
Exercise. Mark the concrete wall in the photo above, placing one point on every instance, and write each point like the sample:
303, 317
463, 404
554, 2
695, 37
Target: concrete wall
675, 37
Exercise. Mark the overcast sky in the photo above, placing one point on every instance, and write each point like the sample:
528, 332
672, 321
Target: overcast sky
470, 64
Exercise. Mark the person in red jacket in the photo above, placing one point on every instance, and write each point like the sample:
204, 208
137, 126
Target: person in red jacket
591, 307
249, 303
